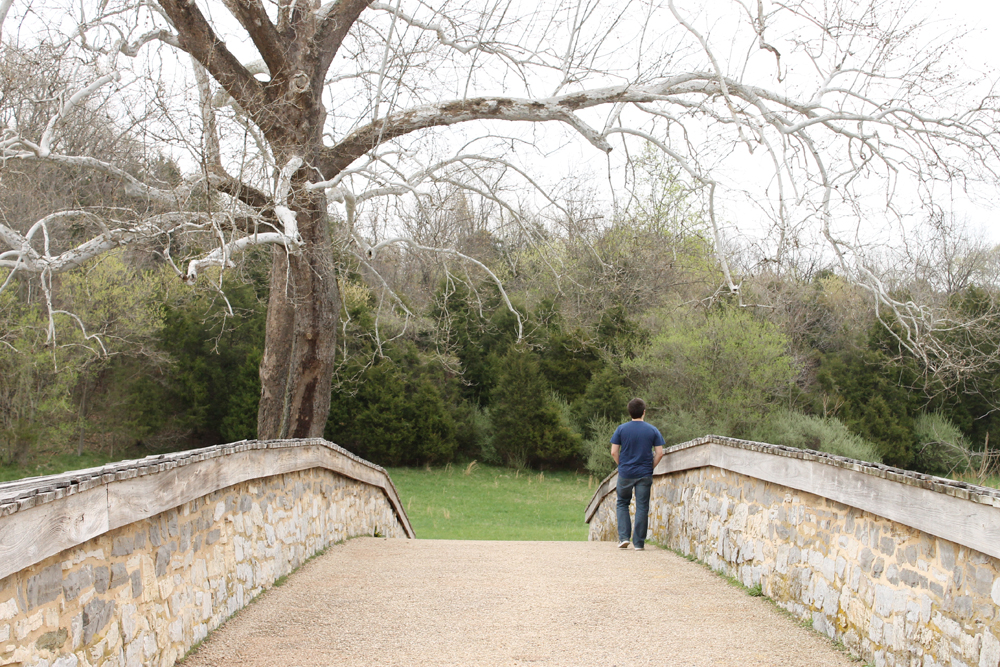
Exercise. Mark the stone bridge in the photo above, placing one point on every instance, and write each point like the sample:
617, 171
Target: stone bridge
135, 563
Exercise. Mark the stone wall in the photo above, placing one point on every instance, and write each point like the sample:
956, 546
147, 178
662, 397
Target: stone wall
903, 568
154, 554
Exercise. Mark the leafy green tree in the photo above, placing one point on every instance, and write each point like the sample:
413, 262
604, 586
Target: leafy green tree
528, 425
874, 404
605, 399
478, 329
567, 361
393, 413
51, 393
213, 381
724, 363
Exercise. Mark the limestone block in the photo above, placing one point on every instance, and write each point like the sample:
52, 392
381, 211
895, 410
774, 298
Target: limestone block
129, 622
989, 653
26, 626
875, 629
66, 661
740, 515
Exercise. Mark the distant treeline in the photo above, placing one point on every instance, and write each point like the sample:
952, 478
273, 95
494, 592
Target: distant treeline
431, 369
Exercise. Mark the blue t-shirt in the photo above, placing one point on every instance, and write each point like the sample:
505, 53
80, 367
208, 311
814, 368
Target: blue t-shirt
637, 440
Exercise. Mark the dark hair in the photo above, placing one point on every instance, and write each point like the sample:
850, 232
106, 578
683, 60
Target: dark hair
636, 408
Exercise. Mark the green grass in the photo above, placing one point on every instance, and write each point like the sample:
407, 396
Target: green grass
54, 464
993, 481
489, 503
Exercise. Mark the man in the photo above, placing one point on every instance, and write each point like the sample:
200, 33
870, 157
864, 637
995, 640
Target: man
632, 448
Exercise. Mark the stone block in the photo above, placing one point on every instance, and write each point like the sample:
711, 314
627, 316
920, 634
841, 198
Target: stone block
155, 539
983, 581
96, 615
102, 577
119, 575
828, 569
44, 586
887, 545
989, 653
867, 558
884, 599
963, 606
185, 540
913, 579
8, 610
76, 581
66, 661
52, 641
122, 546
76, 630
947, 555
136, 580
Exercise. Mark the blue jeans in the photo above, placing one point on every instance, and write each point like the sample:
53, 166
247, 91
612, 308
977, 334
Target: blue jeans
642, 487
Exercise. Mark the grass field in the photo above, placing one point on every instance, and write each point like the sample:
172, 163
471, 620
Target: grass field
54, 464
487, 503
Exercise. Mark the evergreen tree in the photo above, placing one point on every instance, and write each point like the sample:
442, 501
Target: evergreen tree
528, 426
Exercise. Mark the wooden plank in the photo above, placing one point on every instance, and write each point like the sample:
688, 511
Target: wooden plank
685, 459
32, 535
971, 524
603, 489
142, 497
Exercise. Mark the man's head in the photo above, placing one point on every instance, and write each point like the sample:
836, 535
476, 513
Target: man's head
636, 408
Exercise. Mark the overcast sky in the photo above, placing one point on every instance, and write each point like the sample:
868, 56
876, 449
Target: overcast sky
983, 20
982, 17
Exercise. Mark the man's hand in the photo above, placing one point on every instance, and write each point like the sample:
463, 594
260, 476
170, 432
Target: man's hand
615, 449
657, 455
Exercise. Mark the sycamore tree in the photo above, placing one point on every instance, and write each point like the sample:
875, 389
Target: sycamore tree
290, 118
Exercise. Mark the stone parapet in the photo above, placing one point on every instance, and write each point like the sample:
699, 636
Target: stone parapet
903, 568
134, 563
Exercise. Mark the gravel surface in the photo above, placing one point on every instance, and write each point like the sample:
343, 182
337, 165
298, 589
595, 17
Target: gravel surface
376, 601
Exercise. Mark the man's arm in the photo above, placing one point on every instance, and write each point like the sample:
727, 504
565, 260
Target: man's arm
657, 455
617, 448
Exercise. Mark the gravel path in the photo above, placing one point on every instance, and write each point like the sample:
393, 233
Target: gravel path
374, 601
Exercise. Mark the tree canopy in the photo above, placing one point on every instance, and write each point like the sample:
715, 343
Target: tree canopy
331, 132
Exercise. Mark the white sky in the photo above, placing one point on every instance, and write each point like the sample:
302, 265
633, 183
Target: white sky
982, 19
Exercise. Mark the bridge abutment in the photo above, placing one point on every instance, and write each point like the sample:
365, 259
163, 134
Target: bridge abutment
903, 568
134, 563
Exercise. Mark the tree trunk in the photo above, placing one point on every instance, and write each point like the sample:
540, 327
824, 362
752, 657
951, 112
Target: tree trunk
301, 335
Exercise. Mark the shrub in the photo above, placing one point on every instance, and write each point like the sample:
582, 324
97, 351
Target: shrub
830, 435
941, 448
681, 426
876, 404
597, 447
